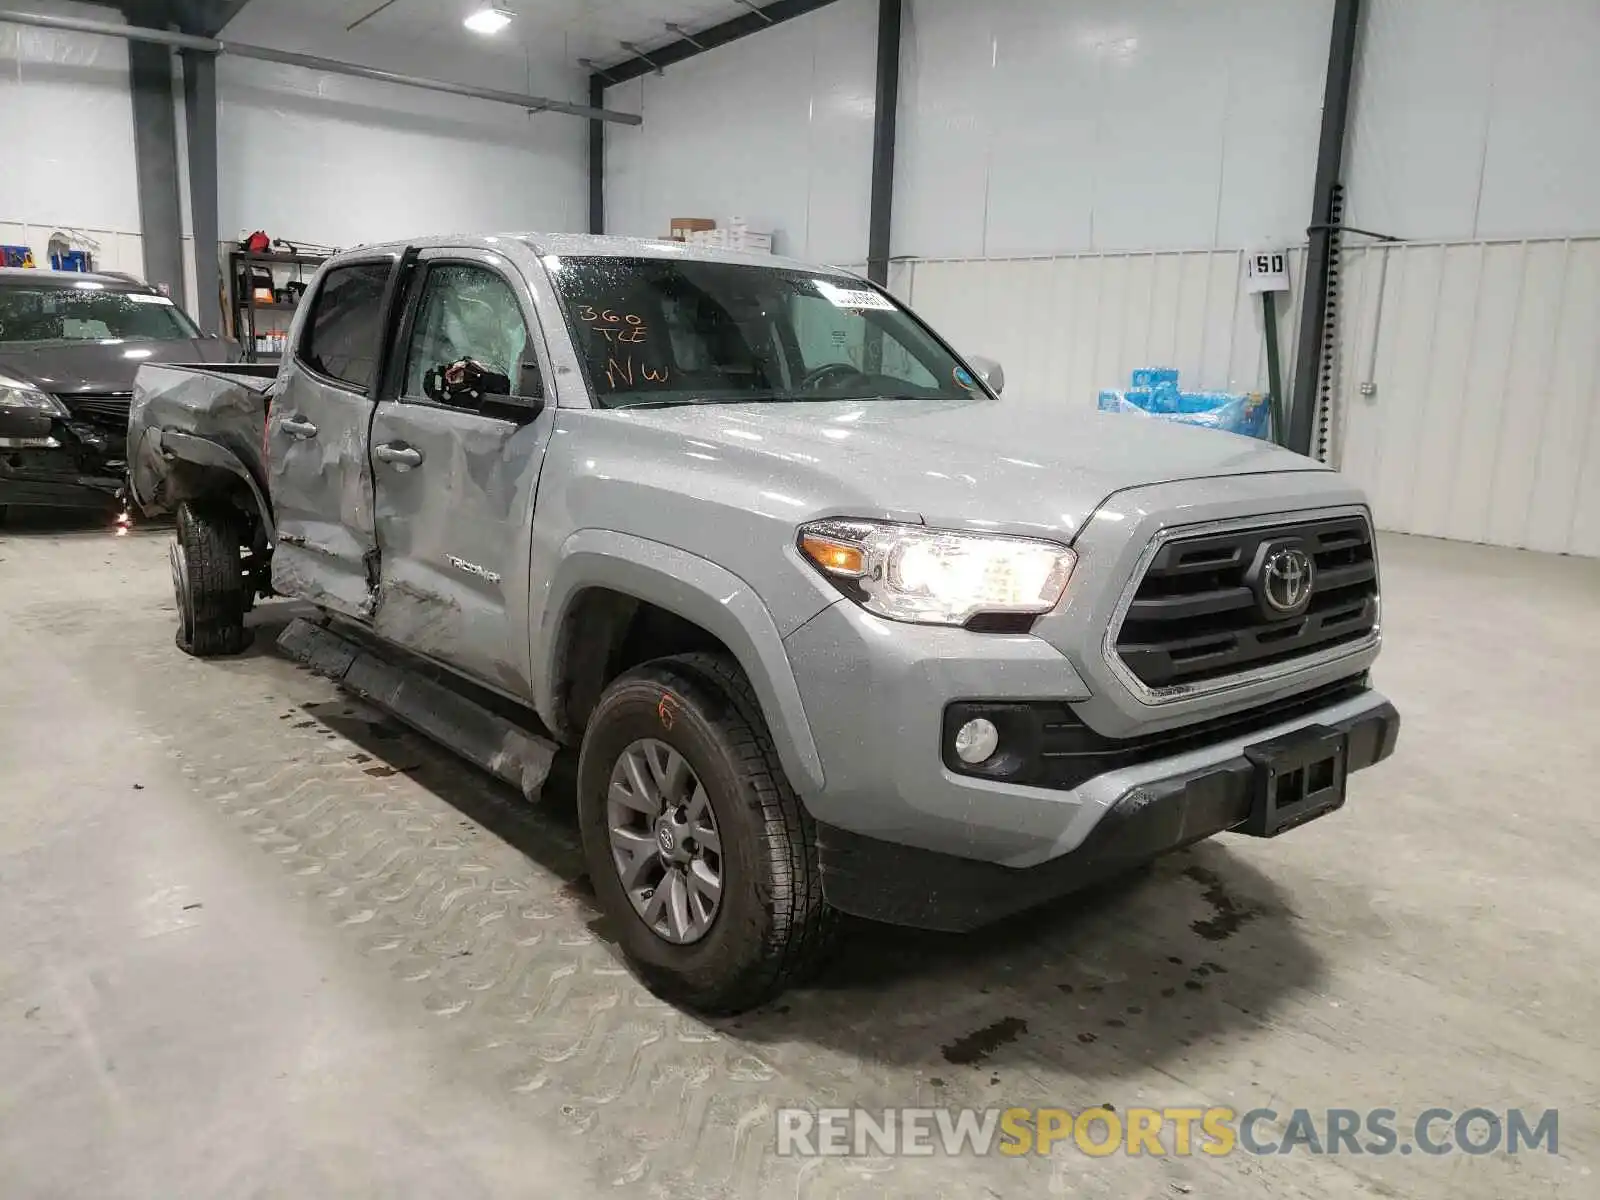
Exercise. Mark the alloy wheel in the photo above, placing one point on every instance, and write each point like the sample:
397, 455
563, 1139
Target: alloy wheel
664, 841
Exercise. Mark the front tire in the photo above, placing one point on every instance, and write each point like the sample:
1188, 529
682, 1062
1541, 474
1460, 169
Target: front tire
208, 581
718, 930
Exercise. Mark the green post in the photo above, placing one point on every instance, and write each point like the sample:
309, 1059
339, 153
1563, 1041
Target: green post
1269, 314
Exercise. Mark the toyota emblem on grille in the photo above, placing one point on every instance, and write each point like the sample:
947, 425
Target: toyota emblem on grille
1287, 577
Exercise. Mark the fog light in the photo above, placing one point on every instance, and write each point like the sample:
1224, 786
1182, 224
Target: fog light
976, 741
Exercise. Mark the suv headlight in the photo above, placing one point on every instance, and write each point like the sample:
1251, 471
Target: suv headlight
14, 393
934, 576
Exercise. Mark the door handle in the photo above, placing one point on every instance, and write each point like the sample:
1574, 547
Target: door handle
403, 457
297, 427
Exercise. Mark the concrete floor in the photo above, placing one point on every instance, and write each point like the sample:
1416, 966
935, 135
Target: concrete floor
254, 940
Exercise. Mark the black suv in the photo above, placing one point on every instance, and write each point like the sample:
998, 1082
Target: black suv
69, 346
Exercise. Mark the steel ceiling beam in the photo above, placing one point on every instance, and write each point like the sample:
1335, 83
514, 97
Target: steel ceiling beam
754, 21
184, 41
205, 18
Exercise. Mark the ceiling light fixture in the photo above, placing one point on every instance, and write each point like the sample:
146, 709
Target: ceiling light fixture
489, 20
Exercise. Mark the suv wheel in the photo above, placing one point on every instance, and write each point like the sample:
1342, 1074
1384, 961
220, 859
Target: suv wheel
208, 580
697, 846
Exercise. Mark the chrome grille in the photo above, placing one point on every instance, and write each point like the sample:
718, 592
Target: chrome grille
1196, 619
100, 408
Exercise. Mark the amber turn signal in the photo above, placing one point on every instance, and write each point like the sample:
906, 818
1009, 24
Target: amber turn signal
836, 558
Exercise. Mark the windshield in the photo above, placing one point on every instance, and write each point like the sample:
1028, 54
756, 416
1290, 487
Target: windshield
667, 331
91, 313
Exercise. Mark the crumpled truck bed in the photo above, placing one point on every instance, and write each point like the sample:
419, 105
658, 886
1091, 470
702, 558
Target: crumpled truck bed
224, 405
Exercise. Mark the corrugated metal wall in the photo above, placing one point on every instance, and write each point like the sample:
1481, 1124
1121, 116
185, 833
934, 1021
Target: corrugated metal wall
1484, 358
1484, 424
1138, 147
1065, 327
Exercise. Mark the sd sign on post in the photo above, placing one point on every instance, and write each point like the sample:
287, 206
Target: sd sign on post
1267, 271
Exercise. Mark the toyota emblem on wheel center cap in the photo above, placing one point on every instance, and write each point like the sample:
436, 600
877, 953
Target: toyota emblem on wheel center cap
1288, 575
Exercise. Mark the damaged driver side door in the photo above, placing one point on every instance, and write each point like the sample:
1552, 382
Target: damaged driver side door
458, 440
316, 441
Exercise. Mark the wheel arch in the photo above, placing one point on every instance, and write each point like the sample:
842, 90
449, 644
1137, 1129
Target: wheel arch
198, 467
604, 580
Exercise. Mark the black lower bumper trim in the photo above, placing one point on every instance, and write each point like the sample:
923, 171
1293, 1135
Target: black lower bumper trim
68, 491
903, 885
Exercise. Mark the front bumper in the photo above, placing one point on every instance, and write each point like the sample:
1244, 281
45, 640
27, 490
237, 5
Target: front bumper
51, 478
875, 694
903, 885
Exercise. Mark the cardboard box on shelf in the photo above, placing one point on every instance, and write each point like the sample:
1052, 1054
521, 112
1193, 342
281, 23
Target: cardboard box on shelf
679, 228
732, 239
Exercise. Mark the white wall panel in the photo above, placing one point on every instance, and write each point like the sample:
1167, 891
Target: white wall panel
1066, 327
1541, 171
1476, 119
66, 122
1485, 421
331, 159
1034, 128
774, 128
114, 249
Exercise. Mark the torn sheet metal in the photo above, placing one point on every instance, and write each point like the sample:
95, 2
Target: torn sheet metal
218, 404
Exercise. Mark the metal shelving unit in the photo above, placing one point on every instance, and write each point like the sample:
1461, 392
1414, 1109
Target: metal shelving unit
245, 307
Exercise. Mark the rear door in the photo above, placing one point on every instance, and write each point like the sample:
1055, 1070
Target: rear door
316, 441
455, 485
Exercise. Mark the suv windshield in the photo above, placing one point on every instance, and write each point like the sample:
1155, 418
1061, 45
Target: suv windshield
670, 331
88, 312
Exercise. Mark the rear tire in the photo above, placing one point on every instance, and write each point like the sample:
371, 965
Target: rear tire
208, 581
771, 927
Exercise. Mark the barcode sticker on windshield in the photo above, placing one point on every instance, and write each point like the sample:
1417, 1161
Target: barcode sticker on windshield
148, 298
852, 297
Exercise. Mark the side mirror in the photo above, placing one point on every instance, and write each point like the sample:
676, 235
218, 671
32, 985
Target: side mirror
520, 410
521, 406
990, 371
464, 383
530, 382
471, 386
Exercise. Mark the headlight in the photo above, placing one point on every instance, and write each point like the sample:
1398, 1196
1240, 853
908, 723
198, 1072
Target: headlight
14, 393
937, 577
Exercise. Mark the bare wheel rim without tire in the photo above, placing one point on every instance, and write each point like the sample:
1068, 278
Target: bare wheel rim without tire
664, 841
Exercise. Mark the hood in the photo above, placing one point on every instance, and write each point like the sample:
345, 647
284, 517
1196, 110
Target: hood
981, 464
68, 368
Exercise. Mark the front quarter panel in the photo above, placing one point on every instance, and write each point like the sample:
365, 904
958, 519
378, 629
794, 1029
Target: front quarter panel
697, 590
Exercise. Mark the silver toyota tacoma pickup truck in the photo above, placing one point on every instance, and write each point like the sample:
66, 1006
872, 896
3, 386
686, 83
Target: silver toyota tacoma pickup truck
833, 625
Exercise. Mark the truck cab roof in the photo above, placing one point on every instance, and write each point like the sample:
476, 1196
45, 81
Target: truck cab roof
569, 245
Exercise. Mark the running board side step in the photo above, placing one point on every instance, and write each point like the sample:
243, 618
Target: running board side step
483, 738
